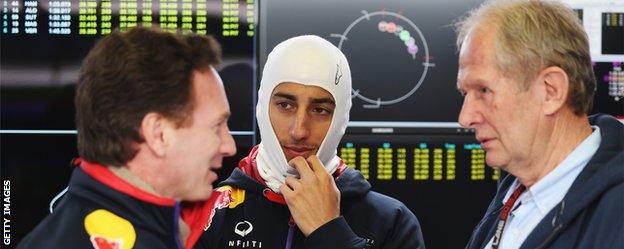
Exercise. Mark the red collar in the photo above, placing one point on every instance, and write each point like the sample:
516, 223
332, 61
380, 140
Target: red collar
103, 175
249, 166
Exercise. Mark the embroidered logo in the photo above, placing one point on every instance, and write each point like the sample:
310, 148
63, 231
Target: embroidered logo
221, 200
338, 75
243, 228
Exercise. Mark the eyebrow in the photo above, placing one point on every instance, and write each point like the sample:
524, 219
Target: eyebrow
314, 100
285, 95
468, 83
324, 101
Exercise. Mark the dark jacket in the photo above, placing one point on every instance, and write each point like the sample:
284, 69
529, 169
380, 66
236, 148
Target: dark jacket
252, 216
100, 210
591, 214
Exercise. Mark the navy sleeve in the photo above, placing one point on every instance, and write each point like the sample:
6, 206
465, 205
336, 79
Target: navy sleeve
335, 234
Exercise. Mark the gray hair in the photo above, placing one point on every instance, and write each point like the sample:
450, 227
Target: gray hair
532, 35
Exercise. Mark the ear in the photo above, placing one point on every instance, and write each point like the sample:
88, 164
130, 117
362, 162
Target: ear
556, 84
155, 129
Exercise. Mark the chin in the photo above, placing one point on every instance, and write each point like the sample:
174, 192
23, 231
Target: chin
495, 162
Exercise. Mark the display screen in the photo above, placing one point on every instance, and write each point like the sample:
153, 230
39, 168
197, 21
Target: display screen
402, 54
613, 33
44, 42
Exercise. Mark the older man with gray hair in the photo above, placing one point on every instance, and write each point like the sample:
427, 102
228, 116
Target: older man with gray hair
528, 84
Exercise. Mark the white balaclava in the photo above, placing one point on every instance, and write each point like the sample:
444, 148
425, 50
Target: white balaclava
308, 60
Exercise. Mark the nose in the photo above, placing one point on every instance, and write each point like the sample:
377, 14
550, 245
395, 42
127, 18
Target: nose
469, 115
228, 146
299, 129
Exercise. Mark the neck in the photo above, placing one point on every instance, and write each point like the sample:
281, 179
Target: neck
145, 171
565, 134
130, 177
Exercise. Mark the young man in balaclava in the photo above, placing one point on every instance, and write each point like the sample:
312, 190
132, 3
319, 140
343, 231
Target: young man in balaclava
293, 191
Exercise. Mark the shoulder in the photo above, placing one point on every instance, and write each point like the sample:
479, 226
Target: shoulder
383, 201
227, 196
606, 207
381, 206
384, 221
600, 230
613, 199
88, 227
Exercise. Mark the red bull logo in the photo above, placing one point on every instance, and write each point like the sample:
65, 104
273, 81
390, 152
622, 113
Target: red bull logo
222, 199
225, 197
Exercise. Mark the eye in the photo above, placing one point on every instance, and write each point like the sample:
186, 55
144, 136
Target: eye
484, 90
320, 110
284, 105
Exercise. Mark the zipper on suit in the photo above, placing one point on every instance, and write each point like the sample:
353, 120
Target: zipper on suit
291, 233
176, 225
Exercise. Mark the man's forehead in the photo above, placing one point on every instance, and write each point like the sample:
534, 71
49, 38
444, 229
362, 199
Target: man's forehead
477, 52
299, 90
478, 45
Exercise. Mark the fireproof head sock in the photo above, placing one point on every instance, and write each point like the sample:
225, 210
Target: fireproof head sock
307, 60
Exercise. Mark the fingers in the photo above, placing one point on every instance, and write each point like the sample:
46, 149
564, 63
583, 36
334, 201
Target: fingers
302, 167
317, 167
314, 199
286, 191
315, 163
289, 188
292, 183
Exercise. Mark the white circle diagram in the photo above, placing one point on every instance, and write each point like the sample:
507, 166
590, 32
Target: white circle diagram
415, 44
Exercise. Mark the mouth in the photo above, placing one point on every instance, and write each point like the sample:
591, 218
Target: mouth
486, 143
295, 151
212, 171
212, 176
215, 166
